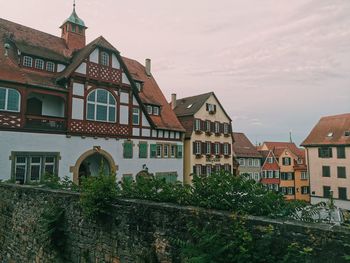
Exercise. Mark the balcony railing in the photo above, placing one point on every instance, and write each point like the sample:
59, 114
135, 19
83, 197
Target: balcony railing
45, 123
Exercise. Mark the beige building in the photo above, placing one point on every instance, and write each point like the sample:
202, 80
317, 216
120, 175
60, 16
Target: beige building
247, 156
208, 139
328, 158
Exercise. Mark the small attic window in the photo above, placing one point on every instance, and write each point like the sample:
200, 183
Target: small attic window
138, 85
330, 134
347, 133
104, 58
156, 110
189, 106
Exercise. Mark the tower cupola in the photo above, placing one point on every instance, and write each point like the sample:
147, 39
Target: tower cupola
73, 31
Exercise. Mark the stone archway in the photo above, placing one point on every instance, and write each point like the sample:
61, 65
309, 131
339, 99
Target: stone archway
96, 151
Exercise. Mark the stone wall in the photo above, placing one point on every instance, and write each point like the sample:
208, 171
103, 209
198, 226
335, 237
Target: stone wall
136, 231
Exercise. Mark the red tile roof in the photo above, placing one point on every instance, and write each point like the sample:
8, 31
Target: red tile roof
242, 147
44, 45
330, 130
279, 147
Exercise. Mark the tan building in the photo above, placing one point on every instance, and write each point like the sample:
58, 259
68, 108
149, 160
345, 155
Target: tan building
208, 139
328, 158
284, 169
247, 156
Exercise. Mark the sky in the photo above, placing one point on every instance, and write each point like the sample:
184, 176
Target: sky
277, 66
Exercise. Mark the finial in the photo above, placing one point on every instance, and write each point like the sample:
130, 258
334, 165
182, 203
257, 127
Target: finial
290, 137
73, 4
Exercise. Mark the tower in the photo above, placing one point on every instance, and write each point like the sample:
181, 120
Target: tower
73, 31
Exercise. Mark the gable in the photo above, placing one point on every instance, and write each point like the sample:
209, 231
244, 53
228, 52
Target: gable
219, 114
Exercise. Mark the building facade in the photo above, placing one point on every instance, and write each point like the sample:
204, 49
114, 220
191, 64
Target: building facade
68, 108
247, 156
328, 158
208, 140
285, 170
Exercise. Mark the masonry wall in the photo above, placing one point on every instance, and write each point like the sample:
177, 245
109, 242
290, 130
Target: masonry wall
136, 231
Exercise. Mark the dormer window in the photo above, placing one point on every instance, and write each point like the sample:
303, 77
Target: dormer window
138, 85
50, 66
156, 110
27, 61
104, 58
39, 64
149, 109
330, 134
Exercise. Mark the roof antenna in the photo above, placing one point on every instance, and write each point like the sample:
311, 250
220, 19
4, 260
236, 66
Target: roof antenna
290, 137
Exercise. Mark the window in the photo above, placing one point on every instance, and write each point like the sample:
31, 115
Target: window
286, 161
341, 152
300, 161
197, 149
169, 177
135, 116
341, 171
208, 169
9, 100
305, 190
241, 161
256, 162
342, 193
250, 162
208, 148
304, 175
32, 166
326, 191
287, 176
173, 151
226, 129
283, 190
149, 109
217, 127
227, 167
156, 110
276, 174
27, 61
217, 148
138, 85
325, 152
217, 168
211, 108
179, 151
197, 125
270, 174
290, 191
142, 150
269, 160
50, 66
198, 169
159, 150
39, 64
166, 151
101, 106
226, 149
207, 126
128, 149
326, 171
104, 58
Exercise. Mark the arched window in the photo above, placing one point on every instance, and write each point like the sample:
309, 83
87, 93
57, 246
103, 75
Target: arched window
101, 106
9, 100
104, 58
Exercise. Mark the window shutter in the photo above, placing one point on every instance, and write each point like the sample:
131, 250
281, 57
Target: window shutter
221, 148
153, 150
214, 108
179, 151
319, 152
194, 147
204, 169
212, 148
330, 152
221, 128
143, 150
194, 169
203, 147
127, 151
207, 106
202, 125
212, 127
229, 149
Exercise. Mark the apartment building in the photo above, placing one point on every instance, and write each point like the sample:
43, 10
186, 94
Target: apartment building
328, 159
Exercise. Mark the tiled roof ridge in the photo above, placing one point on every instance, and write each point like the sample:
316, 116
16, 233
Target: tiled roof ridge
336, 116
191, 97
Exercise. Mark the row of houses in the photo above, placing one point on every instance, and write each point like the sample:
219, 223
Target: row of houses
71, 108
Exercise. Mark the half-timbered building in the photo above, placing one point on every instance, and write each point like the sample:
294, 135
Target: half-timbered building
70, 109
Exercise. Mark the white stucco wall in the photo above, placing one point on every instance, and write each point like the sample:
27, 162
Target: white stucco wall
94, 56
72, 148
115, 62
81, 69
60, 67
77, 109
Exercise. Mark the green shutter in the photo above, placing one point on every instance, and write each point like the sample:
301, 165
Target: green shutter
153, 150
143, 150
179, 151
127, 151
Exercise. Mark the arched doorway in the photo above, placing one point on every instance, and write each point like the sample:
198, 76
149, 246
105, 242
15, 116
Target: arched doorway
91, 162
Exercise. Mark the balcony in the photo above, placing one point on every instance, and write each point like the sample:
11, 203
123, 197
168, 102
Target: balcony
45, 123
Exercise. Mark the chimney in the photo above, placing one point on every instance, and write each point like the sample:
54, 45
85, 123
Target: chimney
148, 66
173, 101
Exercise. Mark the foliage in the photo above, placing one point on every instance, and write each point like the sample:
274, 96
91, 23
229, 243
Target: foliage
55, 182
52, 228
97, 195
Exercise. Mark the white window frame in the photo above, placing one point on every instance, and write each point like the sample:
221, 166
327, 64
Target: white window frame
269, 160
50, 64
166, 151
198, 169
27, 61
197, 125
21, 164
159, 149
149, 109
198, 148
105, 58
38, 62
226, 128
217, 127
156, 110
217, 148
304, 175
269, 174
32, 164
256, 162
250, 162
136, 112
226, 147
208, 169
173, 151
208, 126
208, 148
241, 161
290, 190
7, 98
95, 104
